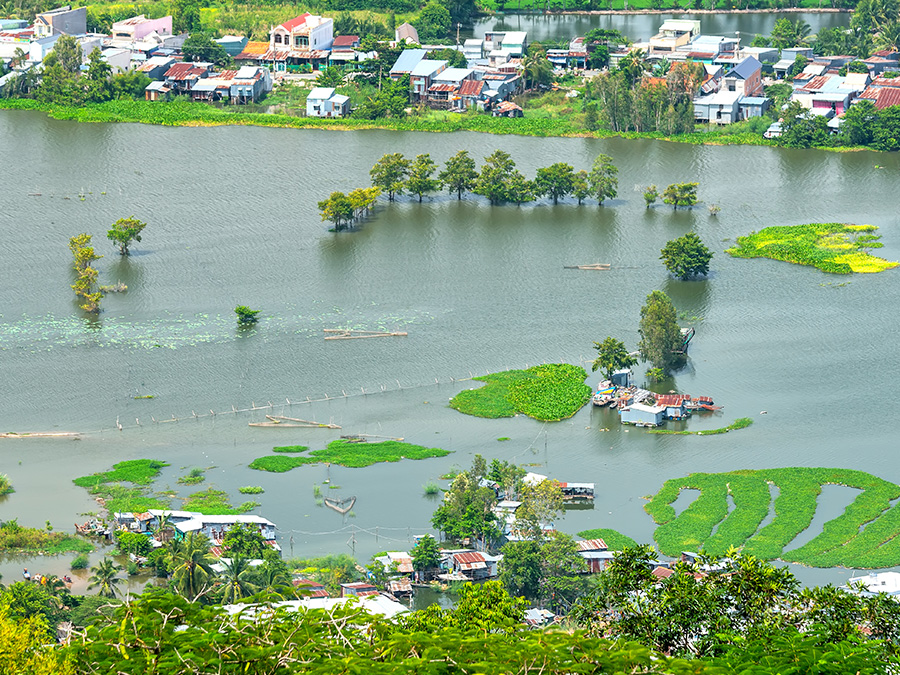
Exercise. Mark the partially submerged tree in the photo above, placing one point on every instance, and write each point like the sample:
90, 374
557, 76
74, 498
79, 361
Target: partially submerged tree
426, 555
459, 174
555, 181
420, 181
85, 285
338, 208
686, 256
651, 194
246, 316
611, 356
661, 340
389, 174
680, 194
604, 178
124, 231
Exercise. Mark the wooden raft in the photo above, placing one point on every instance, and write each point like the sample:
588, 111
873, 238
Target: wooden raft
341, 334
601, 267
292, 422
41, 434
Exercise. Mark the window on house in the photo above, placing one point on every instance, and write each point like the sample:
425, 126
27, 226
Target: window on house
731, 85
301, 41
277, 39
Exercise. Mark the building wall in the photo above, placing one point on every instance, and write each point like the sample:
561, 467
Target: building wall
73, 22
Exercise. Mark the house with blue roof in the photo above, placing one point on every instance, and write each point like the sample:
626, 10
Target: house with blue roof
406, 62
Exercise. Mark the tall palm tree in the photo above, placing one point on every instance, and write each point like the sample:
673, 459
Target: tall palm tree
163, 530
235, 585
274, 579
105, 578
537, 68
633, 65
192, 566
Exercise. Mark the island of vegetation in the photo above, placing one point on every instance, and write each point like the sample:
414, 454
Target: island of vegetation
549, 393
838, 248
354, 454
864, 536
108, 485
739, 423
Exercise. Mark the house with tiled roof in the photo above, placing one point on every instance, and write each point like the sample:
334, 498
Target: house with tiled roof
307, 39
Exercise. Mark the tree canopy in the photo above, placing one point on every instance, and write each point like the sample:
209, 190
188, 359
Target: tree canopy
611, 356
661, 339
686, 257
459, 174
389, 174
125, 231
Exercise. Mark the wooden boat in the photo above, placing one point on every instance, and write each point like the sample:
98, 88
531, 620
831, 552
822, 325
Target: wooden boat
342, 506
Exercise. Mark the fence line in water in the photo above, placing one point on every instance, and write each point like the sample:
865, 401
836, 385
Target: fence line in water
289, 403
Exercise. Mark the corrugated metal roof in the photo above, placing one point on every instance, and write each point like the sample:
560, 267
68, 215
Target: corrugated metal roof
400, 586
671, 399
882, 81
471, 88
438, 88
468, 557
591, 545
473, 566
344, 41
887, 98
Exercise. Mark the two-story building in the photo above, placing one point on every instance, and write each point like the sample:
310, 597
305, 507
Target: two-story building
307, 39
61, 21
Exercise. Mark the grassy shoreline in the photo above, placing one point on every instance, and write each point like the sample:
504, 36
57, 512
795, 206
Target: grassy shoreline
190, 114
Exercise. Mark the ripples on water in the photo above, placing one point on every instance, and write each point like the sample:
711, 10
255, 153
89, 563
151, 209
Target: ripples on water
233, 220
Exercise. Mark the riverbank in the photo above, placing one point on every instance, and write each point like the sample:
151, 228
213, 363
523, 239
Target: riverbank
191, 114
679, 10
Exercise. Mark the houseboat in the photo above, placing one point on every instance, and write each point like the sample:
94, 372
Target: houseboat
577, 491
606, 390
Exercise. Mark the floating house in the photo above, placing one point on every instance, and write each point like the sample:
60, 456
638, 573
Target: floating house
676, 406
642, 415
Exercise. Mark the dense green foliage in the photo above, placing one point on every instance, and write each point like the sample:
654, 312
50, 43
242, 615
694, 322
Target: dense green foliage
133, 542
215, 502
615, 540
837, 248
686, 257
843, 540
550, 392
611, 356
124, 231
680, 194
137, 471
246, 316
290, 448
201, 47
661, 339
353, 454
120, 498
85, 285
17, 539
251, 490
5, 485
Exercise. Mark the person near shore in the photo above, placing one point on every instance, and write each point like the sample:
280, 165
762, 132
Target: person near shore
26, 575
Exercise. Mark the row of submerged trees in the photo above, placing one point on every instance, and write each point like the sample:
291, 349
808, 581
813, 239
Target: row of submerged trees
499, 180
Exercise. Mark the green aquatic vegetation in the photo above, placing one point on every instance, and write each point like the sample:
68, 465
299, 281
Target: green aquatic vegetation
864, 536
291, 448
122, 498
350, 454
503, 438
5, 485
837, 248
431, 488
550, 392
17, 539
251, 490
193, 478
615, 541
739, 423
137, 471
212, 502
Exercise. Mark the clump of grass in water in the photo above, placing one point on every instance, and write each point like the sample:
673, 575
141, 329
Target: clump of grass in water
353, 455
320, 502
193, 478
317, 491
251, 490
431, 488
334, 487
503, 438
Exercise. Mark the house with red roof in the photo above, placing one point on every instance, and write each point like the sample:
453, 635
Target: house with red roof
307, 39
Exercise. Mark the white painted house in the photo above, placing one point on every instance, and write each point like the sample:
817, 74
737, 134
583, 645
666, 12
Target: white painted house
326, 102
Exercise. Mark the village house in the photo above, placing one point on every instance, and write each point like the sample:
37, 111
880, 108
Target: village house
232, 44
181, 77
421, 76
595, 553
406, 33
673, 33
406, 62
309, 588
307, 39
156, 66
139, 27
642, 415
443, 91
474, 565
470, 95
61, 21
326, 102
358, 589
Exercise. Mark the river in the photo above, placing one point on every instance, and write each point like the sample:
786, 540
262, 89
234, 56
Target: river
642, 26
233, 220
